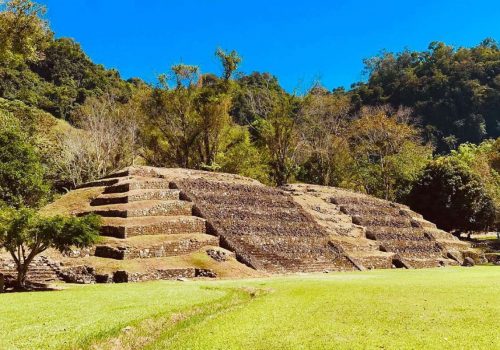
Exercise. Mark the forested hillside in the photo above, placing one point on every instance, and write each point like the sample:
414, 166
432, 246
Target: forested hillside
396, 134
455, 91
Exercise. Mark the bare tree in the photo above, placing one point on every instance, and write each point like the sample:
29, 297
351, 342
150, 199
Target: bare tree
105, 141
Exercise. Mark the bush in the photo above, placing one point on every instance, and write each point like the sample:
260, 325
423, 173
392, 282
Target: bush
452, 197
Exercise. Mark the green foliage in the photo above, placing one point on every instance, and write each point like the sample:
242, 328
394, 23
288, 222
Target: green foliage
388, 152
172, 125
190, 125
21, 174
454, 198
71, 77
25, 234
277, 134
455, 91
52, 74
324, 151
241, 156
230, 62
483, 161
252, 98
23, 32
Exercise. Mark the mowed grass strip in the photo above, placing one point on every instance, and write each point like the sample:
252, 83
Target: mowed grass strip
83, 315
451, 308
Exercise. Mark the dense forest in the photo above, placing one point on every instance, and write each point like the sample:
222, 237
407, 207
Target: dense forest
422, 129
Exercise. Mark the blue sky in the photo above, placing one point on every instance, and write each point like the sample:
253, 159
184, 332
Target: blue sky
298, 41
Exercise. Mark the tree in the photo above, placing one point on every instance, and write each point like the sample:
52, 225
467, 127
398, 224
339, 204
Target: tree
230, 62
452, 197
106, 140
324, 148
23, 32
277, 135
175, 123
215, 122
239, 155
252, 98
388, 151
454, 90
21, 174
213, 103
24, 234
189, 124
483, 160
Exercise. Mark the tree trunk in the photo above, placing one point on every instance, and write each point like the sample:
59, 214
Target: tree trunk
22, 271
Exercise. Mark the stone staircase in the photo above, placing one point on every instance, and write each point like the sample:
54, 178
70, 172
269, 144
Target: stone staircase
343, 232
376, 233
265, 228
42, 270
414, 241
143, 218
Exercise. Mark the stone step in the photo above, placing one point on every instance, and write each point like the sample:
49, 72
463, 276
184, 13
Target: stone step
413, 248
438, 234
134, 196
381, 221
410, 213
101, 183
380, 233
422, 223
144, 208
357, 201
369, 211
133, 171
429, 262
161, 246
156, 225
33, 275
159, 274
373, 260
138, 184
454, 245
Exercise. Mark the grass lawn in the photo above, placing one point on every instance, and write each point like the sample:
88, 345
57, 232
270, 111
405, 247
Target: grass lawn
451, 308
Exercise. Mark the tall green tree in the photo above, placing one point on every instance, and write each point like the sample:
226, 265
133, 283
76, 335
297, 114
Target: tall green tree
24, 34
277, 134
21, 173
324, 148
483, 161
174, 118
451, 196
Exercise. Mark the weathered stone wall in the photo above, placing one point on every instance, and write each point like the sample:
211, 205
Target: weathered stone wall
264, 226
41, 269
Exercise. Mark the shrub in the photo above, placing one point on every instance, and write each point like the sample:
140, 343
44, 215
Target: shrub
452, 197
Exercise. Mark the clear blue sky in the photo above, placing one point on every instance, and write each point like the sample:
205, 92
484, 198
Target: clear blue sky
298, 41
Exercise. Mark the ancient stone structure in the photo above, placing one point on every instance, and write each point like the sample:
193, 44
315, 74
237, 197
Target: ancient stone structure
379, 234
42, 270
176, 223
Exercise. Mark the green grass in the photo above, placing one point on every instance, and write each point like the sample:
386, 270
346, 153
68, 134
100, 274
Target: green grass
81, 315
452, 308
